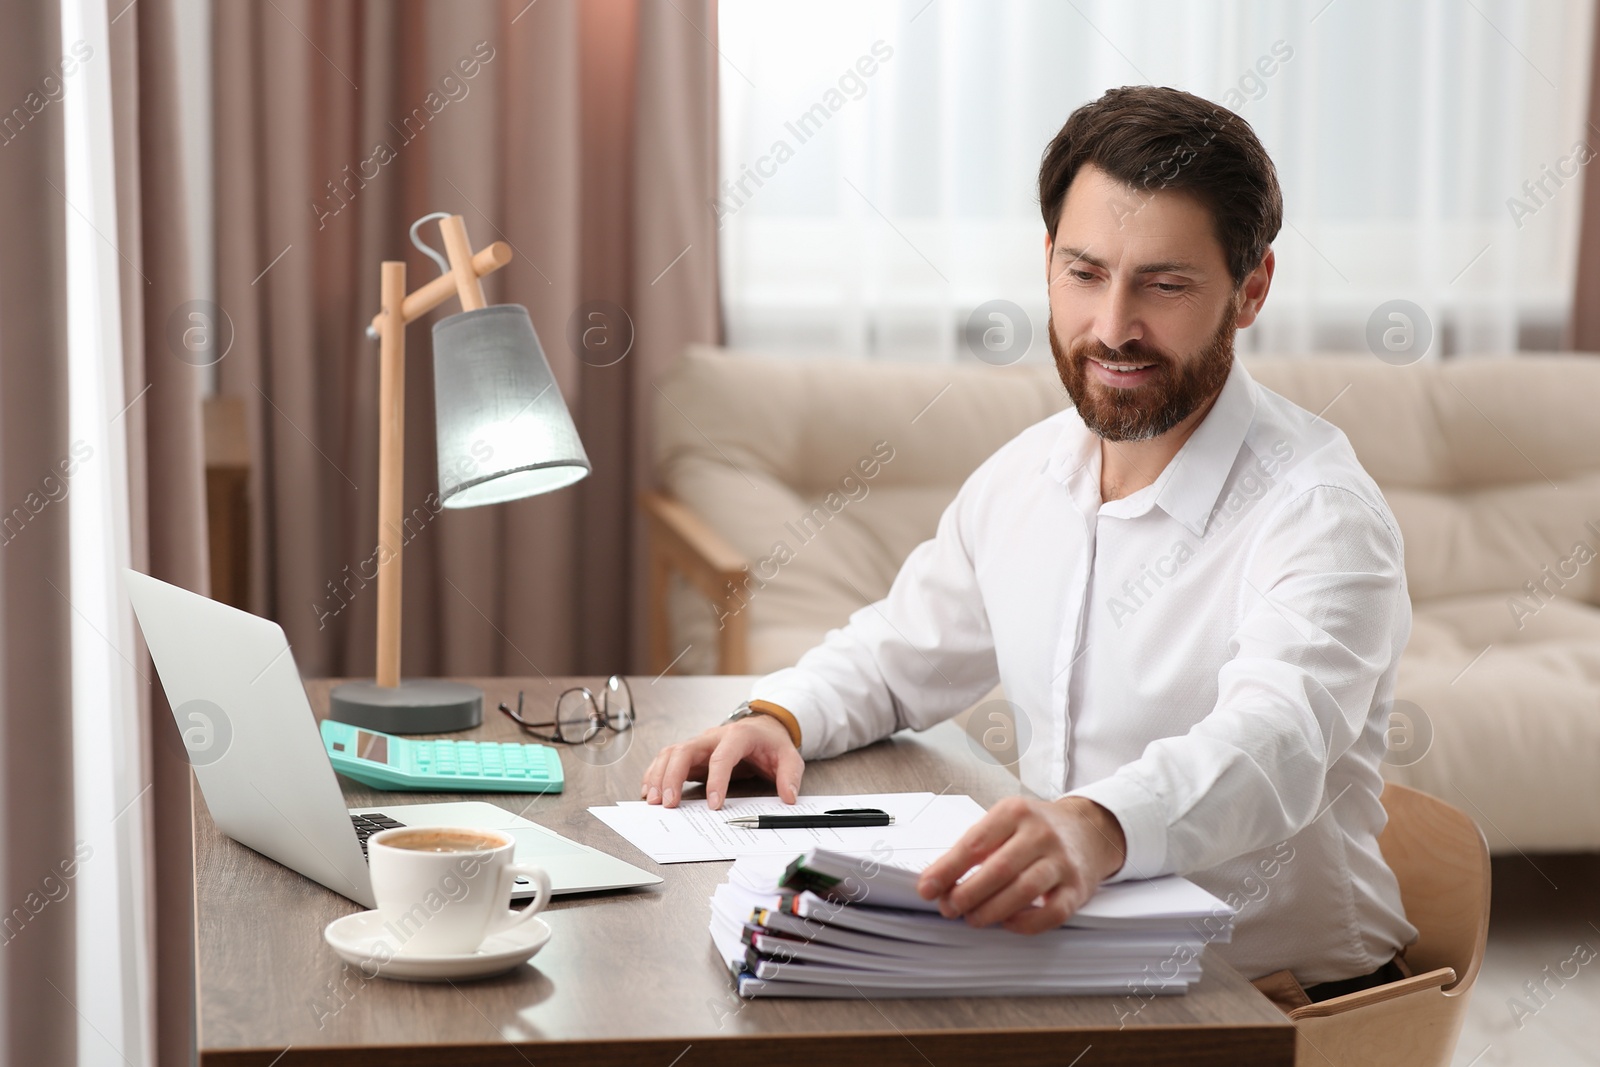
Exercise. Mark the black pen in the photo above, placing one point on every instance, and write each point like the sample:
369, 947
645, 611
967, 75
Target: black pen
836, 817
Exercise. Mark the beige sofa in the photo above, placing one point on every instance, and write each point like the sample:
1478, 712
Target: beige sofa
791, 492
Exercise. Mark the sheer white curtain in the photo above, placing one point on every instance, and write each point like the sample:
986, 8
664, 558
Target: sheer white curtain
880, 159
114, 995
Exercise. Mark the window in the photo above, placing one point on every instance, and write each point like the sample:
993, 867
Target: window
879, 160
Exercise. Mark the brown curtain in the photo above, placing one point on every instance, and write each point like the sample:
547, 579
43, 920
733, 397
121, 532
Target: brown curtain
1583, 331
581, 133
678, 186
166, 479
36, 828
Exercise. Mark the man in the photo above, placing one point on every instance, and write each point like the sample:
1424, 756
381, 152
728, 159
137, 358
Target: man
1186, 583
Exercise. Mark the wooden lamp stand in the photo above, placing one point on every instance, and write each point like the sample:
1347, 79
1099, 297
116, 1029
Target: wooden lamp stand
417, 705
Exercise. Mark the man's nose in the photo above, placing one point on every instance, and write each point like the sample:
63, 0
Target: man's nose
1117, 320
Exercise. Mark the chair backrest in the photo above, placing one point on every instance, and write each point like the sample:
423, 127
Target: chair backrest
1441, 860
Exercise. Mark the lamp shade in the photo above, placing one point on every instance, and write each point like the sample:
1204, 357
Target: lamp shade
503, 430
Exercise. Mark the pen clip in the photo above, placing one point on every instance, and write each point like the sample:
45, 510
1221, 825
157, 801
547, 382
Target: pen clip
856, 811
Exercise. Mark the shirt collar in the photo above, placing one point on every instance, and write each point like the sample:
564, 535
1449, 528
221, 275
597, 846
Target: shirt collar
1190, 485
1200, 470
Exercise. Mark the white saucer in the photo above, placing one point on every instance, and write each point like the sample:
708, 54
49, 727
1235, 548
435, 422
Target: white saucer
360, 939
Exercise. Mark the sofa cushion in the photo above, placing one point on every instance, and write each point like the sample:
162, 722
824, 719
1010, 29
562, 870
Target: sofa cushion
1491, 465
824, 476
1492, 488
1507, 709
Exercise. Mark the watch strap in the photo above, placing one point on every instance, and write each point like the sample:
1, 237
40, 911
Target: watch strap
777, 711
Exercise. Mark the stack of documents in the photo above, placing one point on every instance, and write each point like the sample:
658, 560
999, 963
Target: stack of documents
829, 925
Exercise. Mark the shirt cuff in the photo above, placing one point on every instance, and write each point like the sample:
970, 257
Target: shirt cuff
1144, 824
782, 714
792, 691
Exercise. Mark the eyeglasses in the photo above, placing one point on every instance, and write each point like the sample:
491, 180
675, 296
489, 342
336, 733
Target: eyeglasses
581, 715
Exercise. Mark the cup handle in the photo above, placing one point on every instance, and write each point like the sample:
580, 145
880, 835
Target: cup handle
508, 881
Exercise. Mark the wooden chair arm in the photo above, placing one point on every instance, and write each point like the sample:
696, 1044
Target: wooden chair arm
693, 547
1434, 979
682, 541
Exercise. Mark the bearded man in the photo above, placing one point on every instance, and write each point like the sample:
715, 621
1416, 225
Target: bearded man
1187, 584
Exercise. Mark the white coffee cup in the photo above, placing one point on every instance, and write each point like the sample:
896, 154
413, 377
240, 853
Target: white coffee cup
442, 890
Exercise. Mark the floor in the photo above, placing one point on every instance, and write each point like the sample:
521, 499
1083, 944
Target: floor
1545, 913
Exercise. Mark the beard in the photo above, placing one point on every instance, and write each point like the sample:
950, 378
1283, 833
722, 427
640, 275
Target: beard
1176, 389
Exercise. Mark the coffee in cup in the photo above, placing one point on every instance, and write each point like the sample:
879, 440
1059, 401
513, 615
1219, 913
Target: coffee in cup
441, 890
446, 839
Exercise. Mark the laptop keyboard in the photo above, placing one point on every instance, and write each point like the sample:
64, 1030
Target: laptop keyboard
367, 825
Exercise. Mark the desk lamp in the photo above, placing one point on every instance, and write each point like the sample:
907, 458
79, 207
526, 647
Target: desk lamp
503, 433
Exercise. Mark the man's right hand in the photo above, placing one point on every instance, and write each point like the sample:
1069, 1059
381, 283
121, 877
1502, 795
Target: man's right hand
756, 744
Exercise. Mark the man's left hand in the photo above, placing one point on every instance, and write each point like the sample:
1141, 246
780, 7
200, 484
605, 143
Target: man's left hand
1025, 850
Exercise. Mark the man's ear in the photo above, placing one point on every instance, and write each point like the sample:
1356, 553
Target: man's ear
1049, 250
1253, 293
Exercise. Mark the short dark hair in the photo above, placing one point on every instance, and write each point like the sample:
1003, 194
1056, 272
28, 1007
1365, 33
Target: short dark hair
1152, 138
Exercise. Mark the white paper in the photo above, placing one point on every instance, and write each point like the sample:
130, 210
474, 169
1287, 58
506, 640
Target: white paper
1126, 905
925, 824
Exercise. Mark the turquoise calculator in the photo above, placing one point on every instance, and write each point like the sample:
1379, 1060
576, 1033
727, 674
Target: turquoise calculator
440, 766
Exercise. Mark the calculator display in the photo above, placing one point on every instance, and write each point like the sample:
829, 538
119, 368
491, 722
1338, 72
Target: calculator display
370, 746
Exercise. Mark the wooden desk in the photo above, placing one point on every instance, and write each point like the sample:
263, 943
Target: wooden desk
630, 978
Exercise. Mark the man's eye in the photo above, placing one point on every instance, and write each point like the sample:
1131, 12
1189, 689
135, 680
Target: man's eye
1169, 287
1081, 275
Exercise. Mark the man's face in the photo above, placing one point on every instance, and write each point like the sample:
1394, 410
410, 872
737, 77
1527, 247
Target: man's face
1142, 308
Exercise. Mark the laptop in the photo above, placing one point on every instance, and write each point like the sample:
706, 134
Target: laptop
256, 750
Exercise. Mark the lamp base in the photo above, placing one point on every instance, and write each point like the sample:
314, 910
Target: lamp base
415, 706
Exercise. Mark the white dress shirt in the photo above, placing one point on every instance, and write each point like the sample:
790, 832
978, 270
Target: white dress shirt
1207, 658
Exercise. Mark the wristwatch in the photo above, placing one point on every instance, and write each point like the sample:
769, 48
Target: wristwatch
743, 711
784, 717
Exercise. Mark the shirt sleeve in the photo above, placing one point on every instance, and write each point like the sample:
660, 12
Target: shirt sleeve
1326, 617
913, 659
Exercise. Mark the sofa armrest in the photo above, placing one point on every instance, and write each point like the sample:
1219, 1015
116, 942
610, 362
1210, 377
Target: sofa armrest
681, 541
1434, 979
